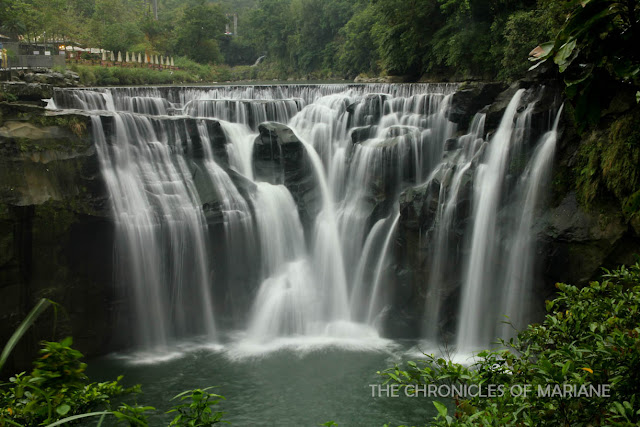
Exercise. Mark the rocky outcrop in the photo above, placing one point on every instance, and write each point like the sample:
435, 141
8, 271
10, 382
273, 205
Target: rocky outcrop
279, 157
55, 236
594, 209
217, 140
67, 78
27, 92
578, 242
472, 97
368, 111
386, 79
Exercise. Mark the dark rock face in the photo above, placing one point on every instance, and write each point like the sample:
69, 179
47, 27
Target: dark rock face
279, 157
471, 98
368, 112
416, 247
218, 140
55, 233
592, 221
578, 242
361, 134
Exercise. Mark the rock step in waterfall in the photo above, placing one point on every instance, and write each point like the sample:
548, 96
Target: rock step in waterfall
276, 210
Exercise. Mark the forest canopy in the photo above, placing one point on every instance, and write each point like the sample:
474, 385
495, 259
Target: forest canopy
442, 39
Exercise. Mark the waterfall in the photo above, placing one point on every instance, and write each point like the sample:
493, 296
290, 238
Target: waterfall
520, 273
285, 303
269, 213
160, 246
475, 327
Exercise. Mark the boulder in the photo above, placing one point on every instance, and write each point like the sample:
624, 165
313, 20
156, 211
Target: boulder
279, 157
217, 139
362, 133
470, 98
369, 112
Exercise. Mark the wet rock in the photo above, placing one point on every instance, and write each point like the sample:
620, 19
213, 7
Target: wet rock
217, 140
361, 134
451, 144
578, 242
279, 157
368, 111
56, 235
470, 98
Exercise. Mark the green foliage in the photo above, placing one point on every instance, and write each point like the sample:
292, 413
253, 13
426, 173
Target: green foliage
609, 163
7, 97
403, 33
58, 392
198, 30
521, 27
358, 51
197, 408
33, 315
135, 415
450, 39
56, 388
591, 336
596, 45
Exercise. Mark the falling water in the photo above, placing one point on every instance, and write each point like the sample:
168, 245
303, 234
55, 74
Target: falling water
453, 171
520, 274
200, 235
475, 327
153, 203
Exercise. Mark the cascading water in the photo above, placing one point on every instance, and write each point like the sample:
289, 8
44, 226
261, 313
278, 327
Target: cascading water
161, 251
204, 232
475, 327
520, 274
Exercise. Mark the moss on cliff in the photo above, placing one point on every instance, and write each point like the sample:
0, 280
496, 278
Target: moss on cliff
609, 165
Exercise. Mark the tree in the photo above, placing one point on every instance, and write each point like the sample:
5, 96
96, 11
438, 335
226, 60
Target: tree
114, 24
403, 32
271, 26
200, 27
358, 52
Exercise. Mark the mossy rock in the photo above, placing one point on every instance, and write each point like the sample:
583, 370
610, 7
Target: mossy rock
621, 156
609, 163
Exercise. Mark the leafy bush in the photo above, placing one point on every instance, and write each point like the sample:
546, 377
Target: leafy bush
590, 337
197, 408
57, 391
596, 45
7, 97
56, 388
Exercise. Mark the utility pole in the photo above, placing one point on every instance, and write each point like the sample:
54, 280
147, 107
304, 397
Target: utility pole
235, 24
153, 5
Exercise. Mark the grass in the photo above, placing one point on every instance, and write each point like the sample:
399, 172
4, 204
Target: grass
188, 72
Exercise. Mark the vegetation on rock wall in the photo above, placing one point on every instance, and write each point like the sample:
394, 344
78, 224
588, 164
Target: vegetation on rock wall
596, 45
609, 165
